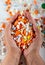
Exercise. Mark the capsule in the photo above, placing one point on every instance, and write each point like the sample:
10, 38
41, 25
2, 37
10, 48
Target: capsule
23, 34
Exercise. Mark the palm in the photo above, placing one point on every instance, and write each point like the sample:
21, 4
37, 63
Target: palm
8, 39
37, 41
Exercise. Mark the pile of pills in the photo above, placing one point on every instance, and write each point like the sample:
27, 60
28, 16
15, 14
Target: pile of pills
10, 7
36, 8
22, 32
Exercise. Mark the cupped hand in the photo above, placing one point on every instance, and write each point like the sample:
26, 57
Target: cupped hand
8, 39
13, 52
37, 41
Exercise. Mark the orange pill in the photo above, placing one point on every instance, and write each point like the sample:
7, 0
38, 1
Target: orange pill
35, 1
8, 2
36, 11
24, 31
0, 30
16, 22
7, 8
8, 19
19, 44
17, 33
21, 26
30, 33
3, 25
31, 41
28, 41
10, 13
22, 40
19, 18
24, 20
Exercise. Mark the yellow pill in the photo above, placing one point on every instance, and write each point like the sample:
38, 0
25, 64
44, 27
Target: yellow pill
28, 37
38, 27
25, 38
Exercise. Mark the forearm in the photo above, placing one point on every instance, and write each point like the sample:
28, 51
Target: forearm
38, 60
0, 63
34, 59
11, 60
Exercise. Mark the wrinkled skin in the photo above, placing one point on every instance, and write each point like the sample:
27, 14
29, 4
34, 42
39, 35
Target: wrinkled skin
13, 52
31, 53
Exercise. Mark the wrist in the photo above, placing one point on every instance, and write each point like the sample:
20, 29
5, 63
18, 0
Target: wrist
14, 51
11, 59
32, 55
34, 59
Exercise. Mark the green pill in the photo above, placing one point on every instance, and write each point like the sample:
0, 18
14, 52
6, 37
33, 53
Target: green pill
43, 5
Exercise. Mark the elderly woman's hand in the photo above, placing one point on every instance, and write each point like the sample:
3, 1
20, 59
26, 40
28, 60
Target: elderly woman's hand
13, 52
32, 53
37, 41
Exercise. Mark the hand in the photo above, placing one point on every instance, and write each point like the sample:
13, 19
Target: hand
32, 53
13, 52
37, 41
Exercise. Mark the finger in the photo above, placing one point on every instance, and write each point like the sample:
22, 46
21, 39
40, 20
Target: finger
5, 39
27, 14
5, 42
8, 25
37, 31
14, 17
29, 49
31, 20
8, 29
8, 36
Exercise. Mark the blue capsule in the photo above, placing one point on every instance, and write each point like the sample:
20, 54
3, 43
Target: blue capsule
43, 32
30, 24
